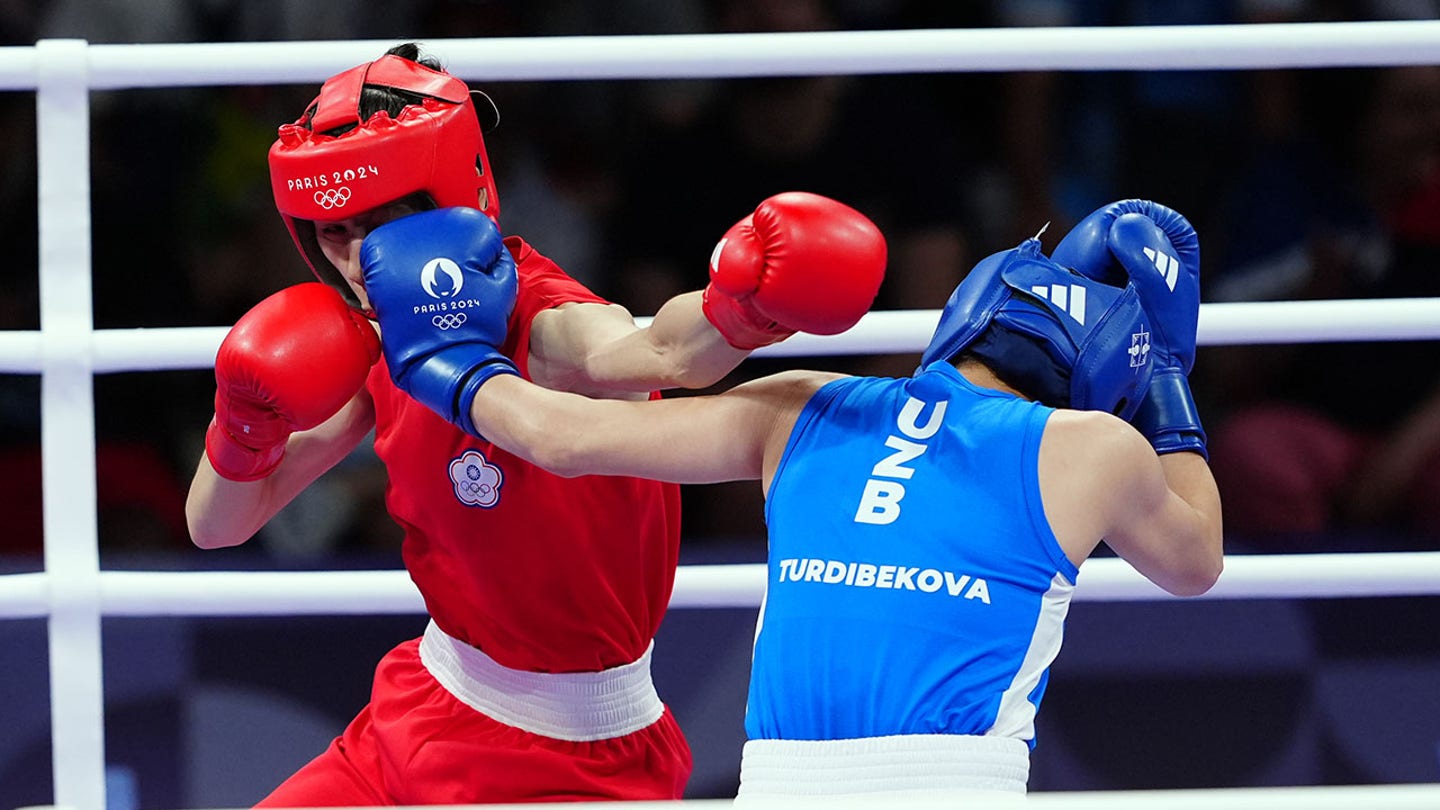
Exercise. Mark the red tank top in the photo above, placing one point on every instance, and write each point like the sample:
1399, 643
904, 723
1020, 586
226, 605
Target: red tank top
543, 573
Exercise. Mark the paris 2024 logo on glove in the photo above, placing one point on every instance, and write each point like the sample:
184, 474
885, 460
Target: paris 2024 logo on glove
441, 279
477, 481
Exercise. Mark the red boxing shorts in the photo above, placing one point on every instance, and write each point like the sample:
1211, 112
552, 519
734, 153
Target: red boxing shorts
446, 724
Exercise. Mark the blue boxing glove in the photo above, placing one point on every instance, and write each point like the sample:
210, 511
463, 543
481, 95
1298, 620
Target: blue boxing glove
1159, 251
443, 285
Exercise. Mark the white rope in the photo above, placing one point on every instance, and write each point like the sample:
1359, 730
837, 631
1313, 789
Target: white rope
892, 332
900, 332
298, 593
1180, 47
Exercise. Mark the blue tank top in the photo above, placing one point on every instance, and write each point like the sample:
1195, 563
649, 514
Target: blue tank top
915, 586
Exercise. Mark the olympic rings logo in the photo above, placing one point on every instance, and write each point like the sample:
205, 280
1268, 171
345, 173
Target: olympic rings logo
333, 197
450, 320
477, 490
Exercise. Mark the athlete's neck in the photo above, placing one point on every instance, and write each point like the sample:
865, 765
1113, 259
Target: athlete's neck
980, 374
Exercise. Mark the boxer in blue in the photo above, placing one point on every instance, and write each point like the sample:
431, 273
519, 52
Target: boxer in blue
926, 533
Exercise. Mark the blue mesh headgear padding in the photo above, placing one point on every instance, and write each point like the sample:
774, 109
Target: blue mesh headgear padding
1097, 332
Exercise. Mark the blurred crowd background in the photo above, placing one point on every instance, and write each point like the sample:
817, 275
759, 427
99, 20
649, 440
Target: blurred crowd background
1304, 184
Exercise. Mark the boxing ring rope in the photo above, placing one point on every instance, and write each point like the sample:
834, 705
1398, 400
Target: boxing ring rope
376, 593
72, 591
899, 332
1197, 47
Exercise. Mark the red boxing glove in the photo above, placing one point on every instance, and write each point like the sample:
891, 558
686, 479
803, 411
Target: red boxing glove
801, 262
288, 364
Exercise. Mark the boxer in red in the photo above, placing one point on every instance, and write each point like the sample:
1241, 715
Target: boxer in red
532, 680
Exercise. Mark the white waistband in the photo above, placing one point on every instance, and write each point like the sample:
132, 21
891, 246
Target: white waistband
575, 706
911, 764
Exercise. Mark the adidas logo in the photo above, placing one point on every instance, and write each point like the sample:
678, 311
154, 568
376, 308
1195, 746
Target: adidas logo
1168, 265
1071, 300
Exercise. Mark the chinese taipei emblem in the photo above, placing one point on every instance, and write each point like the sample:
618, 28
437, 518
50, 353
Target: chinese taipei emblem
477, 481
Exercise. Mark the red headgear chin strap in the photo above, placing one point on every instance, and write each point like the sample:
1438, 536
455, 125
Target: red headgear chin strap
434, 147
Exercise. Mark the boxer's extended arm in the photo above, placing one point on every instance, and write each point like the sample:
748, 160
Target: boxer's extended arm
733, 436
800, 262
597, 349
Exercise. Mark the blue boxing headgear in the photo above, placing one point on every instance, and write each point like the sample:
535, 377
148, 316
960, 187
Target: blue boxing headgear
1068, 340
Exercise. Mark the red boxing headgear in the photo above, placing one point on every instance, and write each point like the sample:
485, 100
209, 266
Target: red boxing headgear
433, 147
